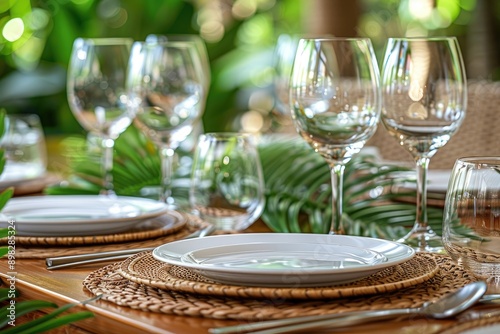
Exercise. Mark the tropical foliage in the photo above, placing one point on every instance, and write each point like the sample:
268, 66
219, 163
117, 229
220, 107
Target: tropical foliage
298, 190
42, 324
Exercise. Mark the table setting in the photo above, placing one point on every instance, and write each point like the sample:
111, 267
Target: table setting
200, 258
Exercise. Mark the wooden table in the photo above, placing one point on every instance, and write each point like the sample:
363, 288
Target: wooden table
34, 281
65, 286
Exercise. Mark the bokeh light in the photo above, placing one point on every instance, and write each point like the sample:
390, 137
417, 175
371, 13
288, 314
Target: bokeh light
244, 8
13, 29
252, 121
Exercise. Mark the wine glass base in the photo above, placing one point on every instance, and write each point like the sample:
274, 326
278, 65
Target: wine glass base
423, 240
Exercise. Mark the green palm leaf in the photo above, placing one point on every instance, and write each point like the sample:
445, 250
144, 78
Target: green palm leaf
298, 193
298, 189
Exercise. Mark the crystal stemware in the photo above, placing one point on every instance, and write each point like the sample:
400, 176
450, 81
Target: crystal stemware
97, 95
335, 103
425, 94
283, 57
167, 90
200, 48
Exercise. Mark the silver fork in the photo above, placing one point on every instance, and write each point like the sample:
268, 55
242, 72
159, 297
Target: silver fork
81, 259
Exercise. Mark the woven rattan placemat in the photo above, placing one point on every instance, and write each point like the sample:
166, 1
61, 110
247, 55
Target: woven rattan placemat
168, 223
192, 224
145, 269
119, 290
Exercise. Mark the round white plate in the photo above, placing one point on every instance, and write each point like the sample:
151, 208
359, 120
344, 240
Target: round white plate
77, 214
284, 259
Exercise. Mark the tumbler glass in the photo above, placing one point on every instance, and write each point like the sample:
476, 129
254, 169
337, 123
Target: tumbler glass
471, 225
227, 186
25, 149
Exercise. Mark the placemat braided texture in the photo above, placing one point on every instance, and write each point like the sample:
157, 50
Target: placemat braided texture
191, 225
145, 269
170, 223
473, 254
119, 290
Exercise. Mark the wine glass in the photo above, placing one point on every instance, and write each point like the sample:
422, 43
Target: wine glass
97, 95
200, 47
335, 103
425, 94
283, 56
167, 92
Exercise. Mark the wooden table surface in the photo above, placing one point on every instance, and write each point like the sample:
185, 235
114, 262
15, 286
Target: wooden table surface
65, 286
62, 286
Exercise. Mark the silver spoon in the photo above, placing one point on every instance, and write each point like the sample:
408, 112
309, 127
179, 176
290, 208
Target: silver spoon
448, 306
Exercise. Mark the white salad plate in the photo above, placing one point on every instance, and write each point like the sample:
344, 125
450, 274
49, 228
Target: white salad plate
284, 259
72, 215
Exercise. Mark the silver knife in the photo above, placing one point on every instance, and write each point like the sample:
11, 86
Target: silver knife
80, 259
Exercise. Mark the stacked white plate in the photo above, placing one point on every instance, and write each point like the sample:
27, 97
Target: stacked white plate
77, 215
284, 259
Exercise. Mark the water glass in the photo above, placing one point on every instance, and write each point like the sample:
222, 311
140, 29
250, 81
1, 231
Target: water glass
24, 145
227, 186
471, 225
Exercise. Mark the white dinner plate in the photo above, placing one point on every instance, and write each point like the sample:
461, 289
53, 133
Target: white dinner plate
77, 214
284, 259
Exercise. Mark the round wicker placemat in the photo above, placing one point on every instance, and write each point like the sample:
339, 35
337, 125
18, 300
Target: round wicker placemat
168, 223
117, 289
145, 269
41, 252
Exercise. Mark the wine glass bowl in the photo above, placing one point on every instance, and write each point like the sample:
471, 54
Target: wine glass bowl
425, 95
167, 92
283, 57
97, 94
335, 103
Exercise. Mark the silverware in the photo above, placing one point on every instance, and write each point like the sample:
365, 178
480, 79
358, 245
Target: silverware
75, 260
448, 306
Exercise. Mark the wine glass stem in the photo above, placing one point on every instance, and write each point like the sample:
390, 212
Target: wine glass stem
337, 178
167, 155
107, 145
422, 168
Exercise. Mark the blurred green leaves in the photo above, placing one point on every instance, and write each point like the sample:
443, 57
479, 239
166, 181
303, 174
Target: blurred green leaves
297, 181
237, 27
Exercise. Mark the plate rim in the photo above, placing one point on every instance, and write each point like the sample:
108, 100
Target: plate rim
410, 253
163, 208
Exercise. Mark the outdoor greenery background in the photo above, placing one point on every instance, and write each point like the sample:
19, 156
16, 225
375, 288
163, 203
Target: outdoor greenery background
240, 36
